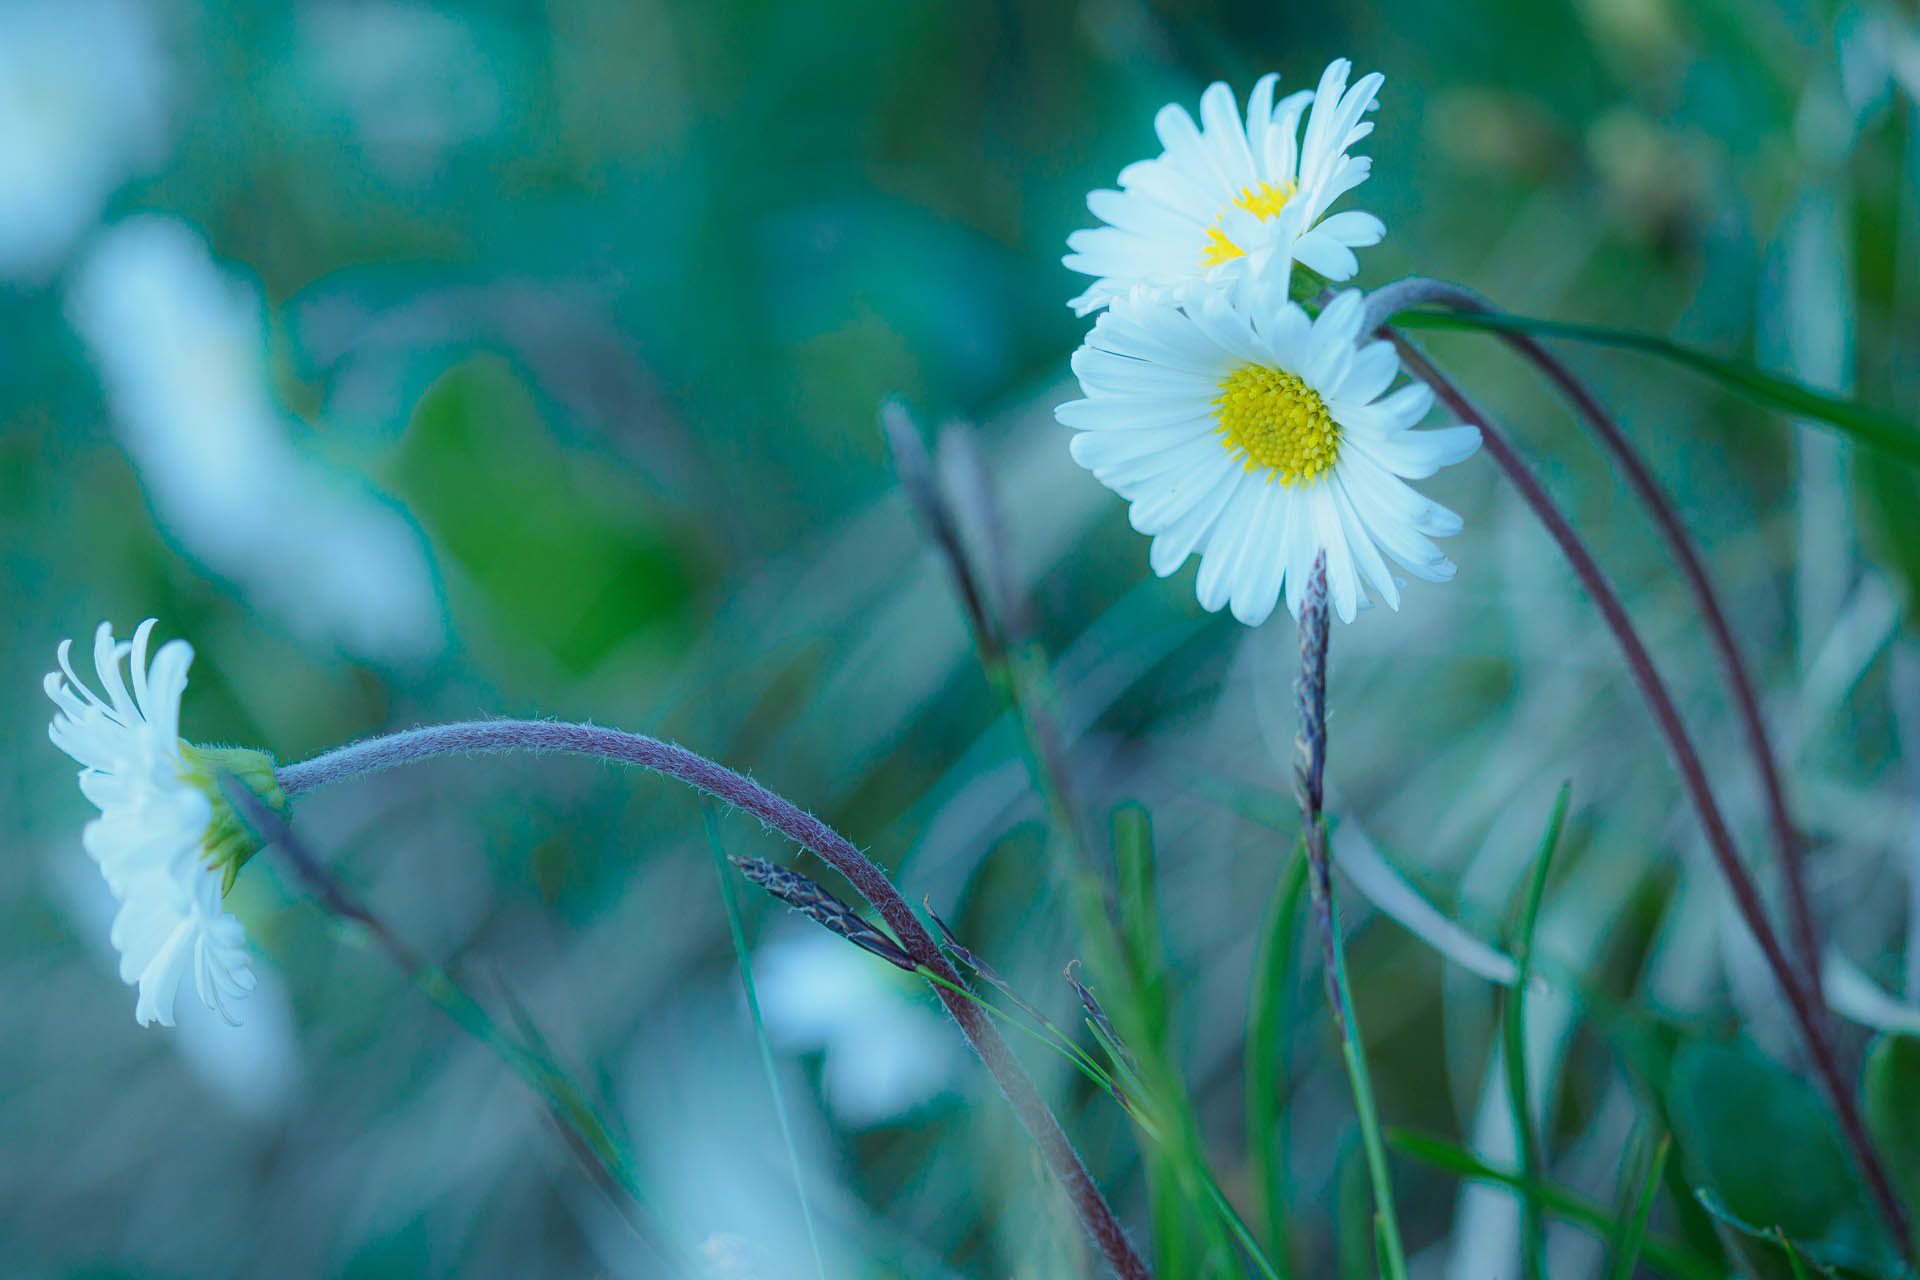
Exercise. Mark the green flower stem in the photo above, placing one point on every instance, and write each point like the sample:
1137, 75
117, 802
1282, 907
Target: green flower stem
1353, 1057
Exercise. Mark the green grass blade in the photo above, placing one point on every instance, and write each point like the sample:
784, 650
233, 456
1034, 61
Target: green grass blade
1387, 1226
1870, 426
1793, 1255
739, 935
1267, 1018
1627, 1256
1241, 1232
1533, 1233
1140, 915
540, 1072
1191, 1236
1049, 1036
1449, 1157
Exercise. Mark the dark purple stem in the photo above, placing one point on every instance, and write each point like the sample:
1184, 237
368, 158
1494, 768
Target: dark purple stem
1390, 300
1746, 895
375, 754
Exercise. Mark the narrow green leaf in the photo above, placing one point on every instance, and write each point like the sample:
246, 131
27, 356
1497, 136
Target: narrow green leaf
741, 954
1533, 1233
1870, 426
1633, 1238
1140, 914
1190, 1230
1793, 1255
1268, 1005
1450, 1157
1889, 498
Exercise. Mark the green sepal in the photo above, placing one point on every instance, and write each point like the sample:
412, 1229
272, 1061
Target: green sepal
229, 843
1305, 285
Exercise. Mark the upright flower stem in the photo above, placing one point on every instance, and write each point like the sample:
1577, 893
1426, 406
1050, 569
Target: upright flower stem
1801, 999
1310, 782
809, 833
1386, 302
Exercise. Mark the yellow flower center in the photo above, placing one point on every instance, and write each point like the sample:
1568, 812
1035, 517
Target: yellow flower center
1263, 202
1274, 420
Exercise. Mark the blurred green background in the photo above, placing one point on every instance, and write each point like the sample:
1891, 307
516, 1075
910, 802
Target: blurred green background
421, 363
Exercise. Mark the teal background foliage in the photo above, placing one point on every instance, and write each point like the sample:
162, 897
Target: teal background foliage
425, 362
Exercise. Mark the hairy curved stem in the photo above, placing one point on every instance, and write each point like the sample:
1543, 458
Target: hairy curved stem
809, 833
1807, 1013
1388, 301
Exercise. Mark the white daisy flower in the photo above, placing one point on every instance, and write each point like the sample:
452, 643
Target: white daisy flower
1233, 202
166, 841
1257, 437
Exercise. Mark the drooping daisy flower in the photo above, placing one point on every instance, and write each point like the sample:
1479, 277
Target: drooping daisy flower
1255, 437
167, 842
1230, 202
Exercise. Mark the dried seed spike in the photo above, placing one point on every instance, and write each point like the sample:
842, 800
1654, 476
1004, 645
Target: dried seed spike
1311, 752
1098, 1017
936, 517
986, 972
976, 507
814, 902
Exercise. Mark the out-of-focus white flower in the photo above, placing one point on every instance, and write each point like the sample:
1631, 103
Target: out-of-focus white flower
83, 87
883, 1054
1231, 202
413, 81
1257, 437
180, 344
165, 839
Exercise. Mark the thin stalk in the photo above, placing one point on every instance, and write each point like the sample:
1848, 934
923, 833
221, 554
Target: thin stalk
1533, 1234
739, 935
670, 760
1449, 1157
1806, 1012
588, 1134
1310, 765
1634, 1230
1416, 291
1248, 1244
